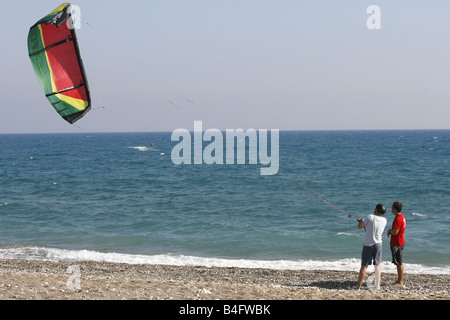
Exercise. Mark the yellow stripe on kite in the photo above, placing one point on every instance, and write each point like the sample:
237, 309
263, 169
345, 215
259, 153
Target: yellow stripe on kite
74, 102
52, 80
60, 8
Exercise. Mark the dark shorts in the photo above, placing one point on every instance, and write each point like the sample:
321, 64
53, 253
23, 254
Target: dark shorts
397, 255
371, 255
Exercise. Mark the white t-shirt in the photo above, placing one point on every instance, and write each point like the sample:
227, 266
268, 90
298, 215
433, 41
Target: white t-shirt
374, 229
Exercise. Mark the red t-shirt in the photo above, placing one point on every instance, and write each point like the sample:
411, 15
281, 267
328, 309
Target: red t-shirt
400, 224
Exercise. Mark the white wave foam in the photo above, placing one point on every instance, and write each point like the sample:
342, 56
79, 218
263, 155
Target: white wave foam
418, 214
347, 234
144, 148
141, 148
348, 264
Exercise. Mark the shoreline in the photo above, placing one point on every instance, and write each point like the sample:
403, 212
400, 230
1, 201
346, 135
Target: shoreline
92, 280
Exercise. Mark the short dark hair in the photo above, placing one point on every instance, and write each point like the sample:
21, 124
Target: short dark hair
381, 209
397, 205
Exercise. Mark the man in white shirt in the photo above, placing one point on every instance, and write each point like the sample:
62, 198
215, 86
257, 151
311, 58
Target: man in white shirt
371, 253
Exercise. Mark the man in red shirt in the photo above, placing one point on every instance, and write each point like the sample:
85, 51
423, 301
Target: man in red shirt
397, 240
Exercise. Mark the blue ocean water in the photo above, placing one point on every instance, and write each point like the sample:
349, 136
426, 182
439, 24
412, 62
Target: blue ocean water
107, 196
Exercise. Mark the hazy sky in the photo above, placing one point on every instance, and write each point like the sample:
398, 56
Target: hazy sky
279, 64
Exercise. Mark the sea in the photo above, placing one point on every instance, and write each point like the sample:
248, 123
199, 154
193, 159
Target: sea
110, 197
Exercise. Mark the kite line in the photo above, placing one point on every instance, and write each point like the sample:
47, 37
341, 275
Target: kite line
326, 201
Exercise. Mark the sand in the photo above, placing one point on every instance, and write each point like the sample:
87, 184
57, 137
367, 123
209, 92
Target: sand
88, 280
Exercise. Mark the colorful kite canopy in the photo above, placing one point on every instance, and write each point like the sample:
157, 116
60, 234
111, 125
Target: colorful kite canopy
55, 56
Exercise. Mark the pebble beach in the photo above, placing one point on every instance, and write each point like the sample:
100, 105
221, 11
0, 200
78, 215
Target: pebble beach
89, 280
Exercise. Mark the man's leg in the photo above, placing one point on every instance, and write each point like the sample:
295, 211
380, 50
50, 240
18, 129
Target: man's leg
378, 276
362, 274
397, 259
399, 281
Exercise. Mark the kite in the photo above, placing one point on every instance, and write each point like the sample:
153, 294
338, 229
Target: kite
55, 56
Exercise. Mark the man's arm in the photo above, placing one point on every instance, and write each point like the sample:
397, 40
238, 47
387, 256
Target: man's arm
361, 224
392, 232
